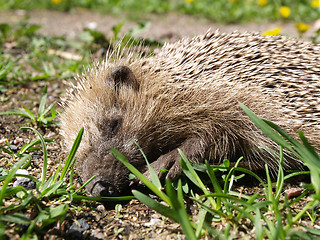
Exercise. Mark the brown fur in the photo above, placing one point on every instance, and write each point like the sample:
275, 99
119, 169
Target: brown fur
187, 97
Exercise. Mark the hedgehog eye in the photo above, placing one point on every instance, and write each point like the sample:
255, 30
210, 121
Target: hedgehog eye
115, 124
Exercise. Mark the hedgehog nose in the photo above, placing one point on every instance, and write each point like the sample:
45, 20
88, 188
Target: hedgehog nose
102, 189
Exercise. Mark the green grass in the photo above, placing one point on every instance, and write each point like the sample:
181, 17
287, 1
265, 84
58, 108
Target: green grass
28, 56
226, 11
42, 118
52, 195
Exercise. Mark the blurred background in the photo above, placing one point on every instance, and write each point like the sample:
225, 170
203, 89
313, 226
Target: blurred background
167, 19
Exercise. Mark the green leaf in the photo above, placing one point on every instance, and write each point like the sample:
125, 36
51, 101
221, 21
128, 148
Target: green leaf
265, 128
139, 175
194, 177
215, 183
201, 219
44, 149
154, 177
30, 114
84, 185
51, 189
13, 190
42, 101
10, 176
312, 231
72, 154
58, 211
191, 173
8, 151
16, 112
280, 178
41, 117
160, 208
32, 143
116, 29
178, 206
258, 225
15, 218
2, 230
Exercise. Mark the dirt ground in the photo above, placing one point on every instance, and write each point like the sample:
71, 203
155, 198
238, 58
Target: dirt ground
134, 221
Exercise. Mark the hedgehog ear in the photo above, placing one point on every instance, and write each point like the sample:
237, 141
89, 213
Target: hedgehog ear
123, 75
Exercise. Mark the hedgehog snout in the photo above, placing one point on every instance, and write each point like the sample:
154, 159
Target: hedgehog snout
102, 188
111, 176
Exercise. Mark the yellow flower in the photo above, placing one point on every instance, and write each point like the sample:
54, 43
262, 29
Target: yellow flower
315, 3
302, 27
273, 32
233, 1
285, 11
56, 1
262, 3
189, 1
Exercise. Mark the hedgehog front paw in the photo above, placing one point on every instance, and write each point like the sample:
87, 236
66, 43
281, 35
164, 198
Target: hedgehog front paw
193, 148
169, 161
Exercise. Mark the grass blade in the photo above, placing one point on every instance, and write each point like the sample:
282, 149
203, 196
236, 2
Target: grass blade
15, 218
44, 149
30, 114
160, 208
72, 155
32, 143
139, 175
42, 115
17, 112
178, 206
154, 177
194, 177
10, 175
42, 101
265, 128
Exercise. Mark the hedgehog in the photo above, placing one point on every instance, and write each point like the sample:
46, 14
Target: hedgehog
186, 96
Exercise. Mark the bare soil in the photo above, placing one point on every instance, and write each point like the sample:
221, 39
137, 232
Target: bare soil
134, 221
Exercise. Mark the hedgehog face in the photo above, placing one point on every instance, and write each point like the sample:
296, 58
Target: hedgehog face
105, 131
111, 176
100, 104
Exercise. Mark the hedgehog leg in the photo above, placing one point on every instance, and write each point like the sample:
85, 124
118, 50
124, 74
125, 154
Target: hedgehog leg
193, 148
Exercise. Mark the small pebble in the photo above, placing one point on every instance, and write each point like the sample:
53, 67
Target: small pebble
3, 140
96, 234
78, 227
152, 222
14, 148
25, 182
294, 192
50, 135
35, 156
18, 140
101, 208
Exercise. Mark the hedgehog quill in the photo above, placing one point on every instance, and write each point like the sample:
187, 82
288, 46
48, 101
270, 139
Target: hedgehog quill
186, 97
